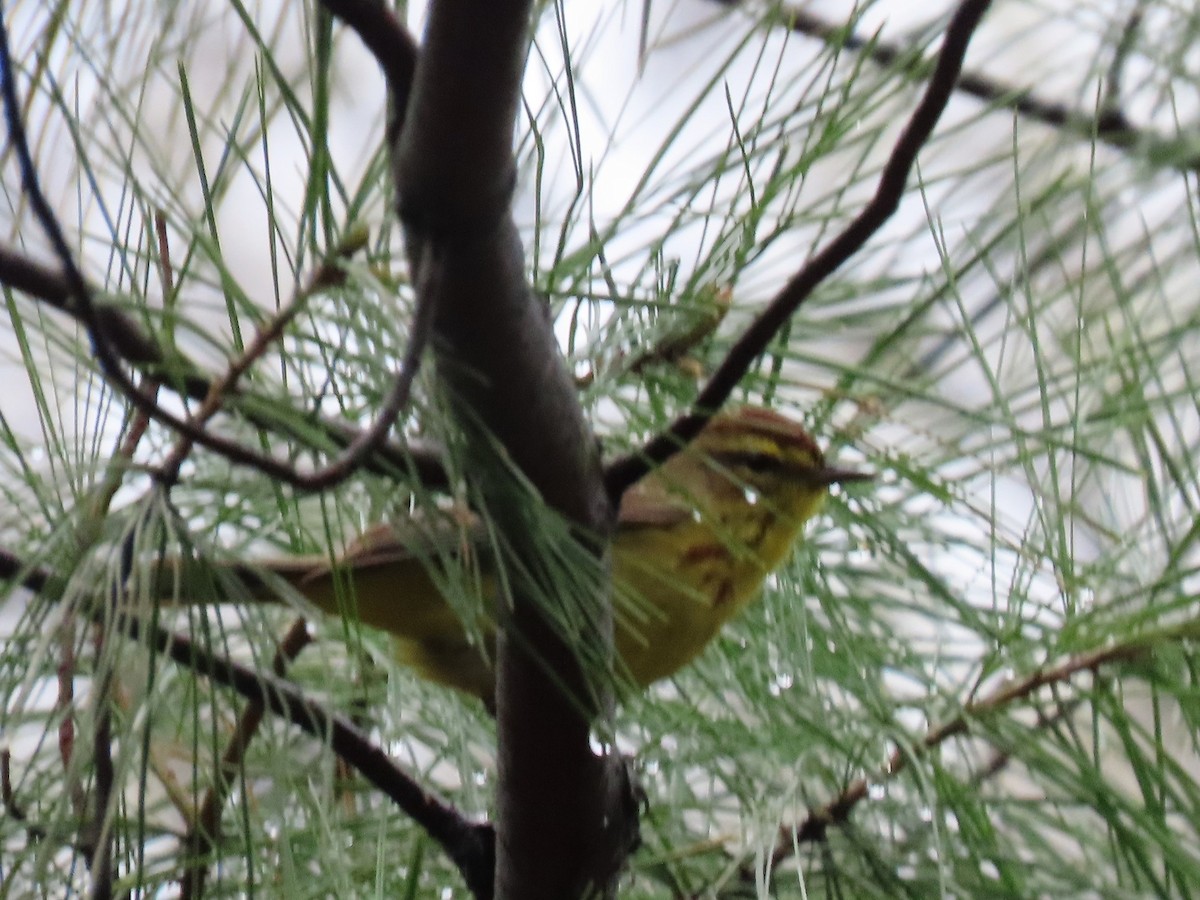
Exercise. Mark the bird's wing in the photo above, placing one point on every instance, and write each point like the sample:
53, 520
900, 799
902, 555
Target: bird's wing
455, 533
649, 504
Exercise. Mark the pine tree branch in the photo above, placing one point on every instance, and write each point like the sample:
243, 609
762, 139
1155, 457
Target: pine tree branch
837, 811
469, 845
1108, 124
202, 835
388, 41
562, 827
45, 284
758, 336
116, 340
145, 401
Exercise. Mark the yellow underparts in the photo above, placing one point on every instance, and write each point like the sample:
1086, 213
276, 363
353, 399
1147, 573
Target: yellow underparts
675, 587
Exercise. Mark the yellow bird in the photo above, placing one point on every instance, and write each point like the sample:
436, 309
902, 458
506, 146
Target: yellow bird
694, 541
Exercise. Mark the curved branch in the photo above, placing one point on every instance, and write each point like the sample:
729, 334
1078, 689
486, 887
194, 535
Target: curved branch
354, 454
79, 295
389, 42
468, 844
50, 286
135, 346
623, 473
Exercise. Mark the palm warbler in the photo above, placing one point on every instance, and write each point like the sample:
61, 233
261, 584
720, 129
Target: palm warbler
695, 539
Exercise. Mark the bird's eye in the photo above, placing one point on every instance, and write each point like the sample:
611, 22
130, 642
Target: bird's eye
763, 462
759, 462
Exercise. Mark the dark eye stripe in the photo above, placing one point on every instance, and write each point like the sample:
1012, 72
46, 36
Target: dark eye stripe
755, 462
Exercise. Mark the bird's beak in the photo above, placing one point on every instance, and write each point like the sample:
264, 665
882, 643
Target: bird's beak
829, 475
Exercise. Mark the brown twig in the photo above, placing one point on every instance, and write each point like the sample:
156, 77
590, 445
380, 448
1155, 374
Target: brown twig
99, 842
264, 338
147, 404
8, 800
116, 335
135, 430
1000, 760
758, 336
837, 811
80, 294
785, 846
166, 271
1110, 104
205, 828
674, 346
65, 703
